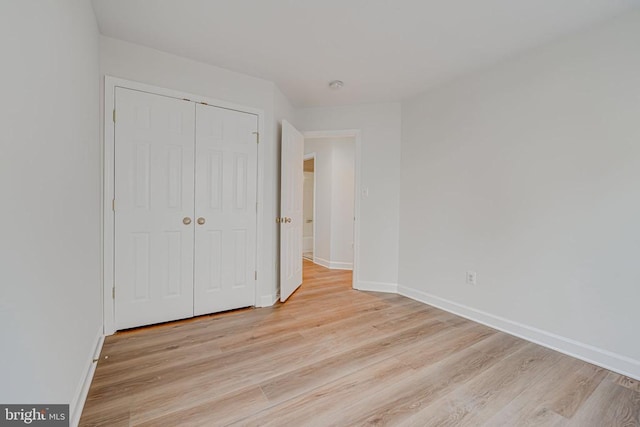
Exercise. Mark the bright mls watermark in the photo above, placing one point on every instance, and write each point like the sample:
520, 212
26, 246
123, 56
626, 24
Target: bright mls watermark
34, 415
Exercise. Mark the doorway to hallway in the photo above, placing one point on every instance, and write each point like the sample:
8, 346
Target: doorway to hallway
308, 206
329, 201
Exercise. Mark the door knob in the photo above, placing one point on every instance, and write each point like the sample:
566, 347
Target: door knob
186, 220
201, 220
287, 220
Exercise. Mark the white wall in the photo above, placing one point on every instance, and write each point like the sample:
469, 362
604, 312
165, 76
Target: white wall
380, 125
334, 179
142, 64
342, 203
50, 292
528, 173
308, 189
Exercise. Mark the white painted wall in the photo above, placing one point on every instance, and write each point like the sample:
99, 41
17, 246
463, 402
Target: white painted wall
50, 274
528, 173
380, 125
139, 63
342, 202
307, 211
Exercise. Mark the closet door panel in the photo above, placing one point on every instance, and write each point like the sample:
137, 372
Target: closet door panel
154, 193
225, 209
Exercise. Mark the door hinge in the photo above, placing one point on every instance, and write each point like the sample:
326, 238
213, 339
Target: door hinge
257, 134
113, 205
256, 207
204, 103
186, 99
114, 115
255, 275
113, 292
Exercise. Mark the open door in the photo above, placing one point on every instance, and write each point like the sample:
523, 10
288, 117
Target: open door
291, 188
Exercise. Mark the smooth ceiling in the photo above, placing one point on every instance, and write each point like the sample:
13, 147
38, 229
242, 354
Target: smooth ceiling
384, 50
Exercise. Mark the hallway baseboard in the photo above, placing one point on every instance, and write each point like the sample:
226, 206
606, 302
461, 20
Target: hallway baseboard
333, 265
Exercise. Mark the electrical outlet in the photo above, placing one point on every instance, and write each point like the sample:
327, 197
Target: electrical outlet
471, 277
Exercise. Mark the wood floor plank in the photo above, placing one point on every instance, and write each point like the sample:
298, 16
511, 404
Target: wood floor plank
581, 385
310, 376
624, 381
335, 356
319, 407
217, 411
401, 400
611, 405
532, 407
475, 402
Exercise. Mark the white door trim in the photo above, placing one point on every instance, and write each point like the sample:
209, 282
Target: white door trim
110, 83
357, 135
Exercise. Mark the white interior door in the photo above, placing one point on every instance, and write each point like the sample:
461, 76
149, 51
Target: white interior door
225, 209
154, 229
291, 191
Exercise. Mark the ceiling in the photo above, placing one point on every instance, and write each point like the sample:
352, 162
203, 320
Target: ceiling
383, 50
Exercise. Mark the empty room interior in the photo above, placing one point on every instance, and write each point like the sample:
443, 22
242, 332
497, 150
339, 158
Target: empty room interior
320, 213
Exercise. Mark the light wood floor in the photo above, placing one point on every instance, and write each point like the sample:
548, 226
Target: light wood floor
335, 356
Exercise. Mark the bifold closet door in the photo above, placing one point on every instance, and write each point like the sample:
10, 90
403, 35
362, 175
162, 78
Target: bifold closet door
225, 209
154, 196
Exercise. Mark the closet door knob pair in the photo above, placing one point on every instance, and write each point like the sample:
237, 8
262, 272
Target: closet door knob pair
186, 220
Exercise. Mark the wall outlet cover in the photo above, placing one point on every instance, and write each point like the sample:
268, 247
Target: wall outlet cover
471, 277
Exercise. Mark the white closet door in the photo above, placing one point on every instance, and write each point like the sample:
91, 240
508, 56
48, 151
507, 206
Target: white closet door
291, 192
154, 184
225, 246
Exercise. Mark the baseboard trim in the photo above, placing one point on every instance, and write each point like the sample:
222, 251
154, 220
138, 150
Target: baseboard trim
336, 265
377, 287
76, 406
268, 300
333, 265
321, 261
612, 361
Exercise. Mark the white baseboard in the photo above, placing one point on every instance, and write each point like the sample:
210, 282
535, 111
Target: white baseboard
336, 265
268, 300
76, 406
377, 287
321, 261
333, 265
614, 362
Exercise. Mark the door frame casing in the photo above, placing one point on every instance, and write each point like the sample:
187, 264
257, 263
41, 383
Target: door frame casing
356, 134
108, 176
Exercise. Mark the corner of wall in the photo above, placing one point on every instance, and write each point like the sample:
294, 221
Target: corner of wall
82, 390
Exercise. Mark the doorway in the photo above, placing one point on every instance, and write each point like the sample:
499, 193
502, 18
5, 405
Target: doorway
308, 206
329, 201
346, 229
